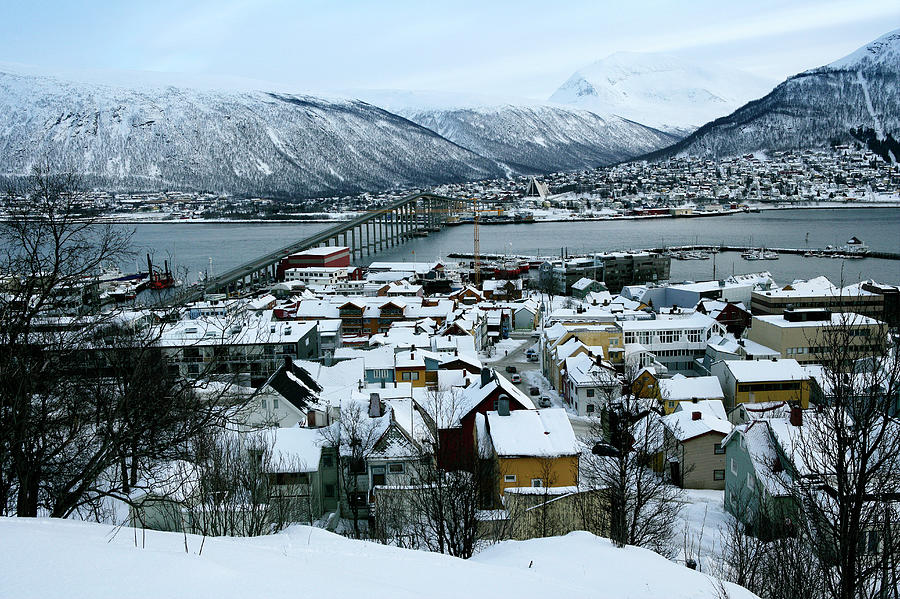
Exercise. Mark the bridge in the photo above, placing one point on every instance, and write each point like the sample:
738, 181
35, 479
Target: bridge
377, 230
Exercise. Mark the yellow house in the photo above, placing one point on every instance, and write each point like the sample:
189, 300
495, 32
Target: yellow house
757, 381
529, 448
645, 384
409, 367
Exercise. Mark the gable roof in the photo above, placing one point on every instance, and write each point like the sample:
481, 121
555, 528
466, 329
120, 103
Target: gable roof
295, 384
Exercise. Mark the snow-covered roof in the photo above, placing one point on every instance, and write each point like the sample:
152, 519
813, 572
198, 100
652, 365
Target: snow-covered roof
708, 407
532, 433
295, 449
760, 371
837, 319
683, 426
680, 388
582, 284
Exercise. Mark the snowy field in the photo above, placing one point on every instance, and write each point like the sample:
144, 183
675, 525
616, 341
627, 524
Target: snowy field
55, 558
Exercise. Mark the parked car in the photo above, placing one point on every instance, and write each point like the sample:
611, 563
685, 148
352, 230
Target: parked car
544, 401
511, 369
516, 378
534, 391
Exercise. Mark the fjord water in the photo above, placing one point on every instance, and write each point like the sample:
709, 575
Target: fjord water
191, 245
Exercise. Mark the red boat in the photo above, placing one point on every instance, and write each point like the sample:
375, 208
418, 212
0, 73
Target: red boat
159, 279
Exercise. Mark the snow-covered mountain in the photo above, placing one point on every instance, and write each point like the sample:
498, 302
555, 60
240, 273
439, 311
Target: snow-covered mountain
137, 134
528, 137
812, 109
660, 90
154, 136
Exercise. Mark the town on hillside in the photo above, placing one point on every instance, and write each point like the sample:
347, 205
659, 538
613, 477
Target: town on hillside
359, 388
845, 175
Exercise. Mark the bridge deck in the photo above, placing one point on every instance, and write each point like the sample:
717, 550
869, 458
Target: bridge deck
267, 260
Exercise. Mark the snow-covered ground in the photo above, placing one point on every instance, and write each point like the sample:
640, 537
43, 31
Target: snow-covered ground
55, 558
704, 521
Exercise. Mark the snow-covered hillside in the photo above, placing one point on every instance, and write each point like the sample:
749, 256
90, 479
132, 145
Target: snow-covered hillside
659, 90
44, 558
525, 135
533, 139
813, 108
135, 135
155, 137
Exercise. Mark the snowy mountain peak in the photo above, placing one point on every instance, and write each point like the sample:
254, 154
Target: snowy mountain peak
883, 51
812, 109
660, 90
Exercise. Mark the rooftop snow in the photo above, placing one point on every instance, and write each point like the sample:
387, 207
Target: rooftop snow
539, 433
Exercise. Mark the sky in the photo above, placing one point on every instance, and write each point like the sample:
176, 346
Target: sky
514, 48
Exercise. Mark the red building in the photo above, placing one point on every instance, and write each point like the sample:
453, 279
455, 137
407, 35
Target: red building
327, 256
457, 430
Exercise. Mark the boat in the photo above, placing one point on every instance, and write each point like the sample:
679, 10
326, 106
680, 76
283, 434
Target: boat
770, 255
159, 279
751, 255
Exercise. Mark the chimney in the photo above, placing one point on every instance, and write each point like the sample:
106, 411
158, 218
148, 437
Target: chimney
796, 415
374, 405
486, 375
288, 362
503, 405
696, 415
694, 400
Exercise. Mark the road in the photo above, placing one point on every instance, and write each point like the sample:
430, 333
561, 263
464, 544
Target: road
532, 377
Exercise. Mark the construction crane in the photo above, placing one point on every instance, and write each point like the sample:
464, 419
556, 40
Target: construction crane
476, 247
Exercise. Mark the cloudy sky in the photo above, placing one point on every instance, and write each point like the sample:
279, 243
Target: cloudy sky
510, 47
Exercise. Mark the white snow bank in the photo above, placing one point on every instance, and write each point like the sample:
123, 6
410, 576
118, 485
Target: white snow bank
602, 570
53, 558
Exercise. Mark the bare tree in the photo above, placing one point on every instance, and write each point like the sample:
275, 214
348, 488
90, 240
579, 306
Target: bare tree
626, 461
768, 562
847, 469
87, 398
354, 434
242, 488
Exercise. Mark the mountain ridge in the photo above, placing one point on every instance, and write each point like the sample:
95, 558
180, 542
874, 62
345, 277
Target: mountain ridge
811, 109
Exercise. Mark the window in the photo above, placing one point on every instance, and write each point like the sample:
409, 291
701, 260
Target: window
590, 393
509, 478
671, 404
718, 449
329, 490
751, 482
395, 468
262, 403
733, 466
275, 403
328, 461
537, 482
718, 475
377, 475
590, 408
